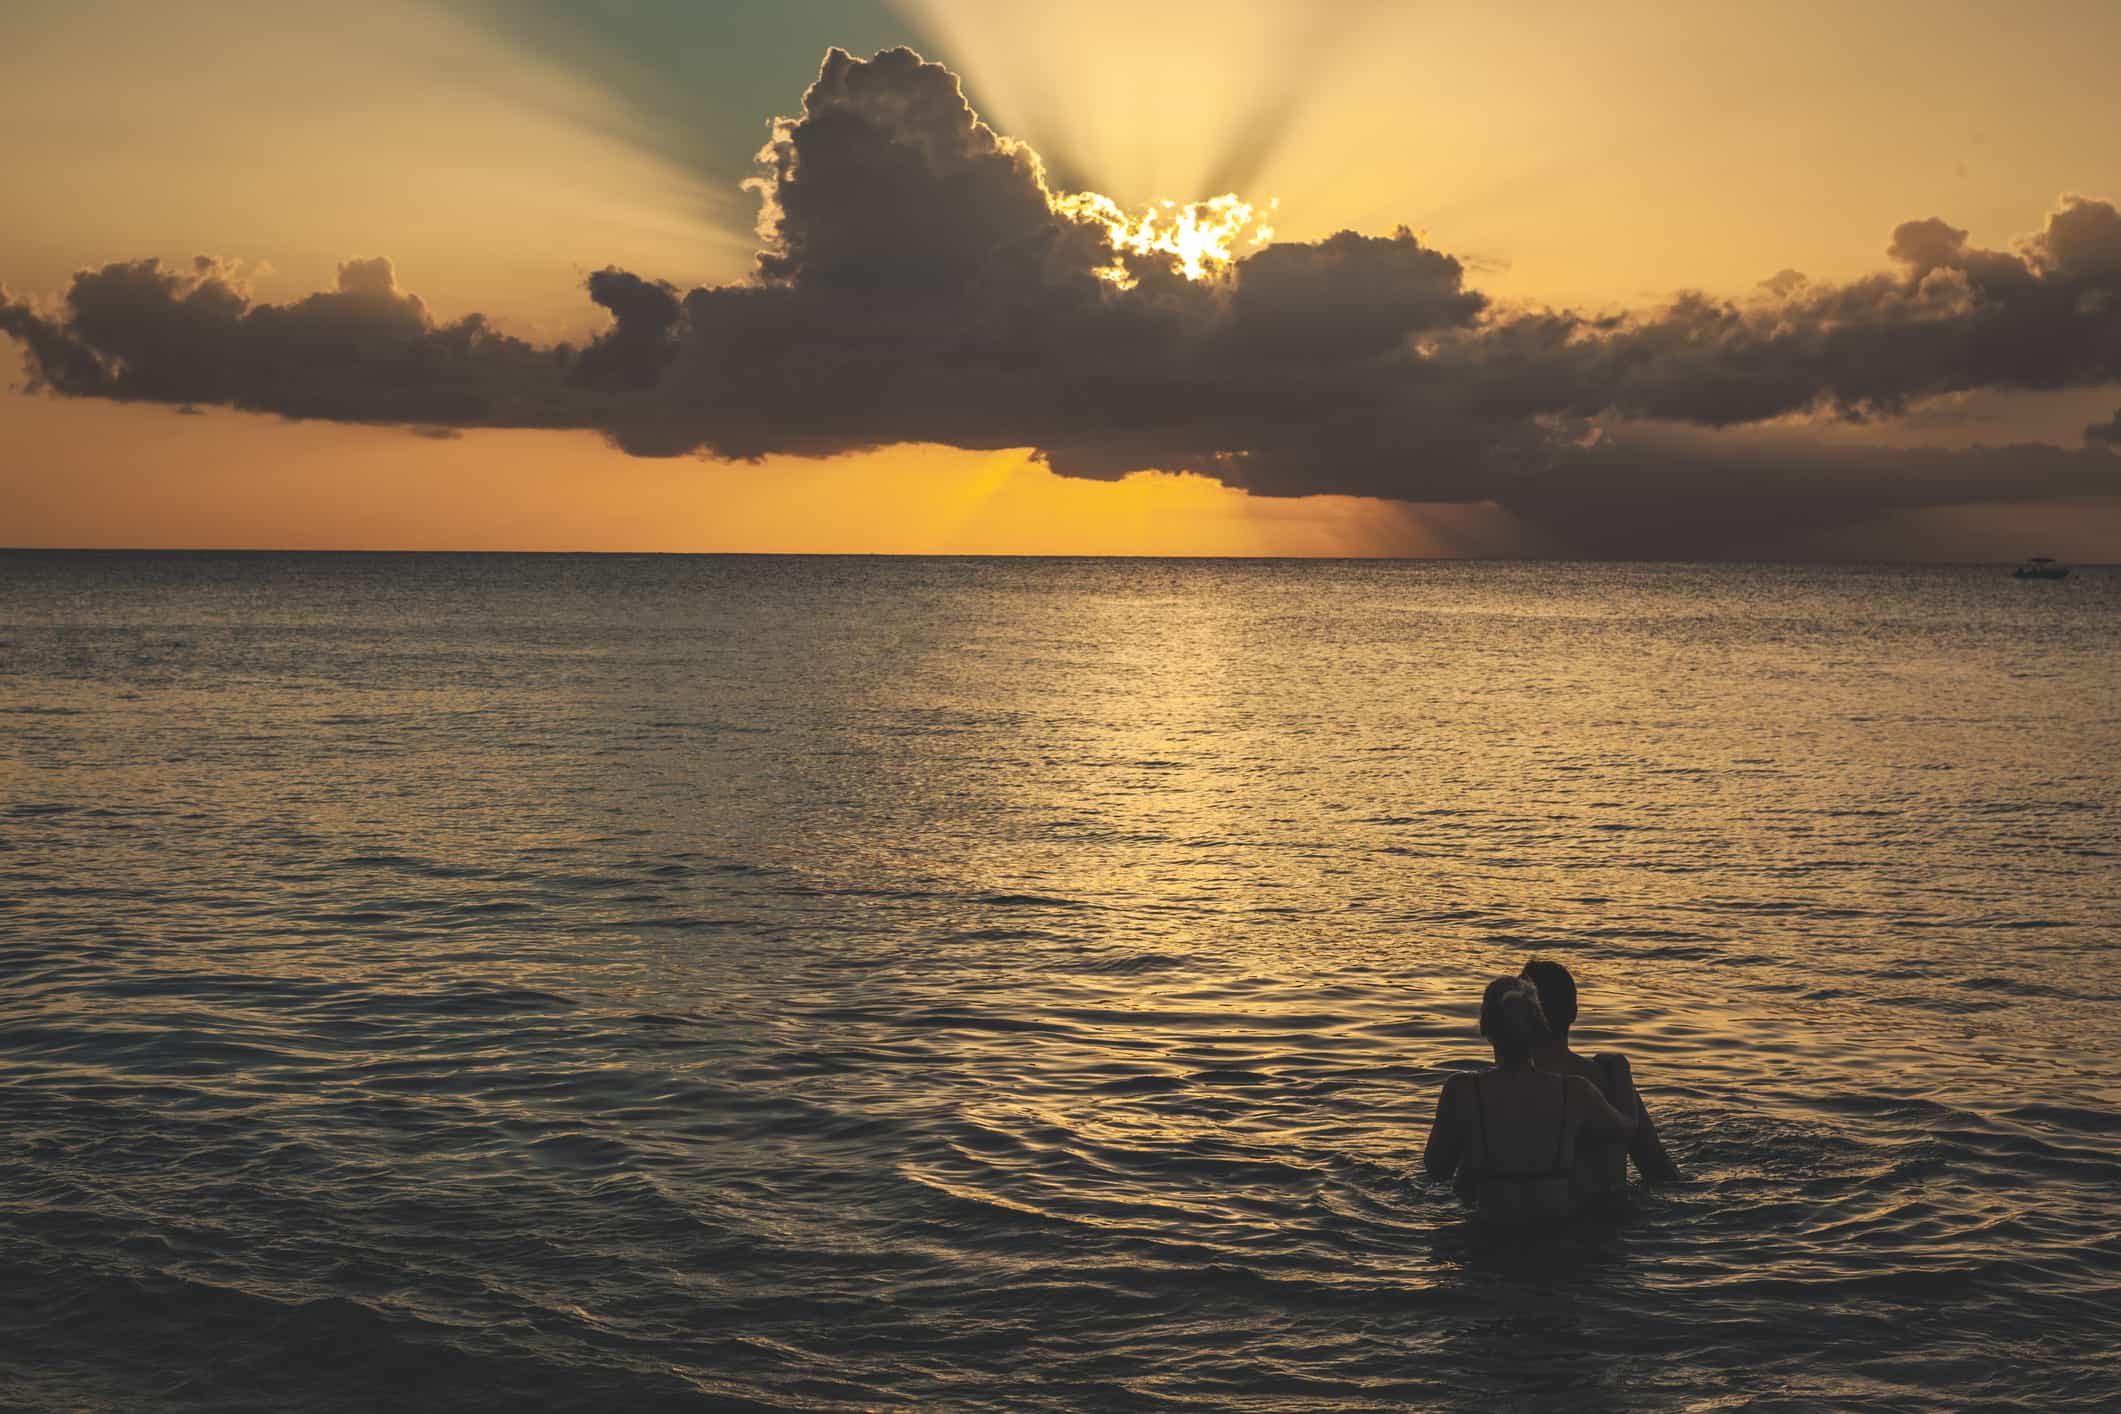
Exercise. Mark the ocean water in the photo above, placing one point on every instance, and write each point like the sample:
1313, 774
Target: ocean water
489, 982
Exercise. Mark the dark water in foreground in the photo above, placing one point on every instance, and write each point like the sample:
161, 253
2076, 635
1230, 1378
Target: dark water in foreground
487, 982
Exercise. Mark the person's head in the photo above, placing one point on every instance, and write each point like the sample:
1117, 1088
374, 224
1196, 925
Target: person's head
1557, 993
1511, 1020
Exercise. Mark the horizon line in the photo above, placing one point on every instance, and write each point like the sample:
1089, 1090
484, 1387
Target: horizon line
1027, 555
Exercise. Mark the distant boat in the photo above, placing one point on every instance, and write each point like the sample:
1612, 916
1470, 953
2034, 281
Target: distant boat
2041, 567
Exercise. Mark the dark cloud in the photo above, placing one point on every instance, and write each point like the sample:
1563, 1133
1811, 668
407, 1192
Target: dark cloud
366, 352
2105, 434
919, 282
890, 185
643, 334
1346, 297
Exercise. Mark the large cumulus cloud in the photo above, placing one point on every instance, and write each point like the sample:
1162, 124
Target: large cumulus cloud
920, 282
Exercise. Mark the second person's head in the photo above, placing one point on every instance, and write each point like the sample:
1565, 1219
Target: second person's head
1511, 1019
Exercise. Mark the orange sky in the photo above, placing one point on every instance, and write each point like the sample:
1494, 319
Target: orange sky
1568, 156
99, 476
91, 475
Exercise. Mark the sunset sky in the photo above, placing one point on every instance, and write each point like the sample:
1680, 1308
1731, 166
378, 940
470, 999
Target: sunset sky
1807, 280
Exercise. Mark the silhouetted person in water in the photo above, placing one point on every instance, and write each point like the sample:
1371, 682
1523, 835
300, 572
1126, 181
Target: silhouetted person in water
1601, 1172
1509, 1134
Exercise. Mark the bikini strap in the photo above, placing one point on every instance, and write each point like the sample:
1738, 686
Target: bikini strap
1561, 1137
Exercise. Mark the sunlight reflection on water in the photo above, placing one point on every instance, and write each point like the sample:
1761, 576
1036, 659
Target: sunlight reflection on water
476, 980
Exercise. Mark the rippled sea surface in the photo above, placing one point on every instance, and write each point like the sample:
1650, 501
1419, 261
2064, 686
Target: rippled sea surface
497, 982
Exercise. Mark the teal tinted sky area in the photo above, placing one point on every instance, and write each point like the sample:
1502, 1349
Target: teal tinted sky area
696, 83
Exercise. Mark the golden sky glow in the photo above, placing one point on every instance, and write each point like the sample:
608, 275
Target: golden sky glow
1580, 154
1566, 154
495, 178
148, 477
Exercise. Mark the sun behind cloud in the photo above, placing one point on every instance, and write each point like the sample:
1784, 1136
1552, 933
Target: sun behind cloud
1202, 239
923, 283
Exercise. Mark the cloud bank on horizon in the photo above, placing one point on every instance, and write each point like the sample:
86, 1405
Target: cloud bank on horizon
920, 282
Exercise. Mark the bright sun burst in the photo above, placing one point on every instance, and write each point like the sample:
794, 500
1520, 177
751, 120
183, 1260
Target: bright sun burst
1200, 237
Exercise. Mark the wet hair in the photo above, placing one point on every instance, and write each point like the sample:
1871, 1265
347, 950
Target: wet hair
1557, 993
1511, 1019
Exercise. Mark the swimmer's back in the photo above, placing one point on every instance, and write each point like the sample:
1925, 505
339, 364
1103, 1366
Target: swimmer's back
1519, 1165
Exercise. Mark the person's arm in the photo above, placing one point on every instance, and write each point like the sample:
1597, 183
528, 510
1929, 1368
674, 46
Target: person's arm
1447, 1135
1648, 1152
1645, 1147
1599, 1118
